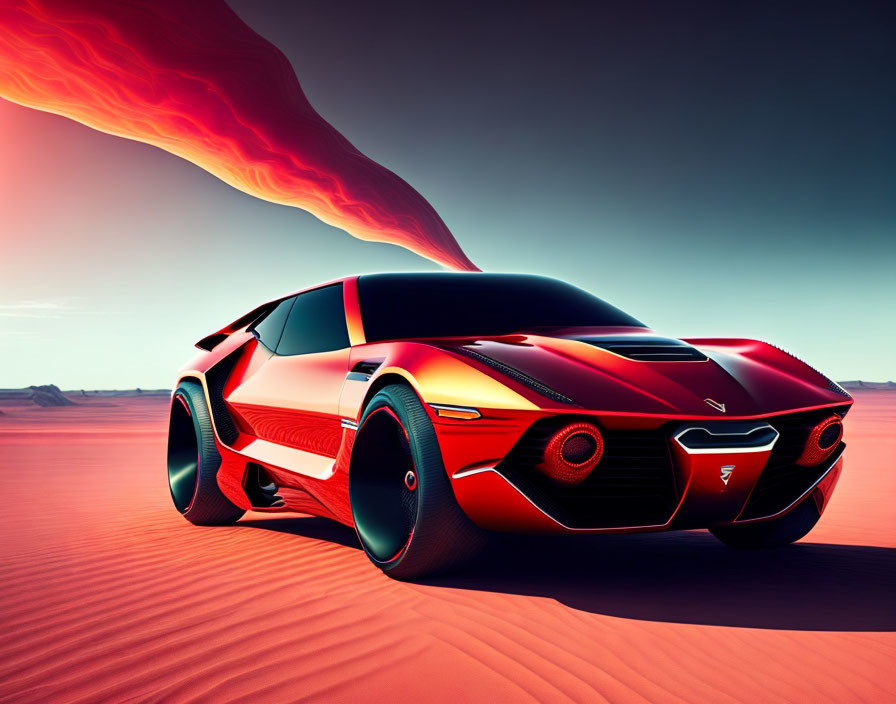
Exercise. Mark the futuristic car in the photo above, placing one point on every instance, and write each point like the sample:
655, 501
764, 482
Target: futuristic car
429, 410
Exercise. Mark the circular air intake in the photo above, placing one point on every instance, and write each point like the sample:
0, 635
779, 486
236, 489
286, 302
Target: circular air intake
822, 442
571, 453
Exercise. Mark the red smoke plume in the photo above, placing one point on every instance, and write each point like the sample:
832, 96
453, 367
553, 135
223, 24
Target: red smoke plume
192, 78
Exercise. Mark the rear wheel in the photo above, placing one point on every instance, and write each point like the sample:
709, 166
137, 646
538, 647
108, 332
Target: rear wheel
403, 506
775, 533
193, 461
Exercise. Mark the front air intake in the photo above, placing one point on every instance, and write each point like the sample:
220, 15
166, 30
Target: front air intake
785, 479
632, 483
647, 349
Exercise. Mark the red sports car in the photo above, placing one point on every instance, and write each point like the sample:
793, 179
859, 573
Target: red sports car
427, 410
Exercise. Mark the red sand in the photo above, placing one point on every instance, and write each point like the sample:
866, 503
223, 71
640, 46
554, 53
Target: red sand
108, 595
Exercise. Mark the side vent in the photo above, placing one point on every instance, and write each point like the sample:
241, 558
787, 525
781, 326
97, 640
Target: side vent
364, 369
648, 349
516, 375
260, 488
216, 378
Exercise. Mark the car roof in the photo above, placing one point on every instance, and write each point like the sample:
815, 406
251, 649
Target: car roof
455, 276
411, 276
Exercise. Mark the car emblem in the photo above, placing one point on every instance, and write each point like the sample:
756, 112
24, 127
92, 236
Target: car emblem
715, 404
725, 472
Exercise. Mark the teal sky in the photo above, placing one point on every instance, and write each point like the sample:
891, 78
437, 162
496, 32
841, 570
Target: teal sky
712, 172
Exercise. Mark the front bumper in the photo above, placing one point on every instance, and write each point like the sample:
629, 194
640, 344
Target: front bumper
650, 485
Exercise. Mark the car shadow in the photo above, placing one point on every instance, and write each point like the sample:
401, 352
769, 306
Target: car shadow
677, 577
690, 577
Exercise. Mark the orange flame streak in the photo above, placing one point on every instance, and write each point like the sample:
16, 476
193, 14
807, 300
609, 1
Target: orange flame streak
193, 79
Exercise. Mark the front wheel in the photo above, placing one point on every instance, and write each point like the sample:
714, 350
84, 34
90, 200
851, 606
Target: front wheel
775, 533
403, 506
193, 461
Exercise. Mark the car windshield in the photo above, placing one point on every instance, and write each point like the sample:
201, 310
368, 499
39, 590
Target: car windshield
402, 306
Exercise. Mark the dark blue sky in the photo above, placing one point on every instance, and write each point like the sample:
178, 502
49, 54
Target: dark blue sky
715, 167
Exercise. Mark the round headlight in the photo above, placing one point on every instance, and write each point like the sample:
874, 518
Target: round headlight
822, 442
571, 453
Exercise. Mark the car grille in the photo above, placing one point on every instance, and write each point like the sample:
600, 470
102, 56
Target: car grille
783, 481
633, 485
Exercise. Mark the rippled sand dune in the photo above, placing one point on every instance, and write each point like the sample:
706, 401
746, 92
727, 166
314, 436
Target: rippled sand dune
108, 595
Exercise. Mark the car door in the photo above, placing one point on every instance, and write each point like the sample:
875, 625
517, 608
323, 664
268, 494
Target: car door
291, 401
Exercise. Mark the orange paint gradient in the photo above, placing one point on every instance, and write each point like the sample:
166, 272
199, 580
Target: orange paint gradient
196, 81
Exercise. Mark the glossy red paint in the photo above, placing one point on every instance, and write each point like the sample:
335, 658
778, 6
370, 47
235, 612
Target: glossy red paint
716, 485
296, 415
312, 432
495, 504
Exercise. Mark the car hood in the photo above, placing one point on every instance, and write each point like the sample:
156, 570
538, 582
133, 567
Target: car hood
643, 373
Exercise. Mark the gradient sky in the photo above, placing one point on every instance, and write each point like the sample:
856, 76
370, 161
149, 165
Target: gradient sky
713, 169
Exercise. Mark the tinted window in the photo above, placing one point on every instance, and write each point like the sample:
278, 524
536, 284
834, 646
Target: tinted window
397, 306
271, 327
316, 323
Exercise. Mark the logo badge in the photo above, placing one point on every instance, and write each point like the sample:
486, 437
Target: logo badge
715, 404
725, 473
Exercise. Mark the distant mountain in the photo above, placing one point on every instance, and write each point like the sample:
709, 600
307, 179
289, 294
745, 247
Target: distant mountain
119, 393
48, 395
868, 385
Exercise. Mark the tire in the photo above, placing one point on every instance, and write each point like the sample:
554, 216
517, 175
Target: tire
771, 534
193, 461
406, 531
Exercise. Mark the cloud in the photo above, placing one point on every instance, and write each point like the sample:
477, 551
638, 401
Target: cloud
32, 305
40, 309
196, 81
17, 333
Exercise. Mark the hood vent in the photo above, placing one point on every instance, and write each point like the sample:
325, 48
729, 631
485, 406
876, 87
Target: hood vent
648, 349
516, 375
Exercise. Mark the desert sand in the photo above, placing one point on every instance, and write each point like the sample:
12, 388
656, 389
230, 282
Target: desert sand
107, 594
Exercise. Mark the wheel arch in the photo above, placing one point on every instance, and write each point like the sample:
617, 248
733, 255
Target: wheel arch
195, 377
199, 378
392, 375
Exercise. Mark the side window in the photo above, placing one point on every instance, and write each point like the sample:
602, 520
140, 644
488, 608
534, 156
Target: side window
316, 323
271, 327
